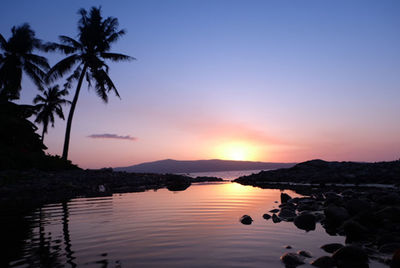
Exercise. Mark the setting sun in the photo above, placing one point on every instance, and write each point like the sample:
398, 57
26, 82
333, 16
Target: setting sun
236, 151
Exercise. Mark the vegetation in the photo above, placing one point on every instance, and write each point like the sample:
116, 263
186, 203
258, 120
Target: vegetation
88, 55
48, 104
20, 146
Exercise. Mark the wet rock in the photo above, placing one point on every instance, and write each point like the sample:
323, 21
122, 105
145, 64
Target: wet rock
355, 206
285, 197
396, 260
389, 248
350, 256
354, 231
324, 262
389, 213
177, 182
275, 210
305, 222
292, 259
336, 215
330, 248
267, 216
304, 253
287, 214
288, 246
246, 219
275, 218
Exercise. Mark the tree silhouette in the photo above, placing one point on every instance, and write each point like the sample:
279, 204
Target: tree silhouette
88, 55
48, 104
17, 57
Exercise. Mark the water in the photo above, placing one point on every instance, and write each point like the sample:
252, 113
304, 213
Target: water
198, 227
226, 175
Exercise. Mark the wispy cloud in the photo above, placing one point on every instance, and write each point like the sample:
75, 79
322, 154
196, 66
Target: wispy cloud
112, 136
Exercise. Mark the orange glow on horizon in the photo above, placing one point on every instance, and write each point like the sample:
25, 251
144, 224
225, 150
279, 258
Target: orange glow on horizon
242, 151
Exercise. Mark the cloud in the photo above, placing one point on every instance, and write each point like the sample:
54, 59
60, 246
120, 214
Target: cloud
111, 136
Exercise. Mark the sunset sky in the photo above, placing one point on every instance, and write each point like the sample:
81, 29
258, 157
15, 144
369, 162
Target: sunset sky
281, 81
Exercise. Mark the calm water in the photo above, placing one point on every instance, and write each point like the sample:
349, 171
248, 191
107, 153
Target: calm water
226, 175
198, 227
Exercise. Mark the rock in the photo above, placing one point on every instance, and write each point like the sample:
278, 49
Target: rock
292, 259
354, 231
396, 259
287, 214
275, 210
324, 262
275, 218
177, 182
288, 247
330, 248
355, 206
389, 213
336, 215
285, 197
305, 222
246, 219
389, 248
304, 253
267, 216
350, 256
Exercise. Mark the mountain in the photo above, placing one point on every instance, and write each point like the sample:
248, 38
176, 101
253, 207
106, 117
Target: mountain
176, 166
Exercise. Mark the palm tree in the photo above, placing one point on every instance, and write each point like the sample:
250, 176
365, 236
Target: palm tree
18, 58
48, 104
88, 55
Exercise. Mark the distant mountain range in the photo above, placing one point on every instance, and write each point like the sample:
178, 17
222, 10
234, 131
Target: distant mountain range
176, 166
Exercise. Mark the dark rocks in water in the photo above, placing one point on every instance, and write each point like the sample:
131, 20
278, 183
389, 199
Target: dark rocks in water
246, 219
288, 247
275, 210
395, 260
304, 253
285, 197
177, 182
305, 222
350, 256
292, 259
330, 248
354, 231
275, 218
267, 216
389, 213
206, 179
287, 214
336, 215
355, 206
389, 248
324, 262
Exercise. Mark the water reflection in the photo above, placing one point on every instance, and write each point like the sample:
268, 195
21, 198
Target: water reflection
198, 227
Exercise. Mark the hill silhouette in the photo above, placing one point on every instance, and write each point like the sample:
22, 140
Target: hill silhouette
190, 166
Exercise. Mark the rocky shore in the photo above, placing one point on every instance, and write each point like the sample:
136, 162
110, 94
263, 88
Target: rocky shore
34, 188
323, 172
368, 218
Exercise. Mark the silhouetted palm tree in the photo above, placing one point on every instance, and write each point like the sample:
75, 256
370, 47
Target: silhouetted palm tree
48, 104
88, 54
17, 57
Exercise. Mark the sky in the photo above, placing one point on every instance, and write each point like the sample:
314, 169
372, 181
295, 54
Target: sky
279, 81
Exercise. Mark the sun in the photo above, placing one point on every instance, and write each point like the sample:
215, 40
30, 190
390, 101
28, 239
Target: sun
236, 151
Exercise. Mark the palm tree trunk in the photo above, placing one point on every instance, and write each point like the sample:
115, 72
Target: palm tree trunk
71, 114
43, 133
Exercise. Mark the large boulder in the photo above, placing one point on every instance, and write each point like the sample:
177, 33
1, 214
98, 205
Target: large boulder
336, 215
350, 256
292, 259
354, 231
287, 214
355, 206
246, 219
324, 262
285, 197
332, 247
305, 221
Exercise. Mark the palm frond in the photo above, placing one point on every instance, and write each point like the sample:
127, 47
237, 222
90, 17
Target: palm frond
116, 56
38, 60
62, 67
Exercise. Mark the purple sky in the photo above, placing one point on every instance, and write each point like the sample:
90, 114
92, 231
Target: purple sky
258, 80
